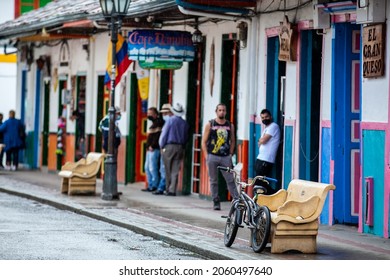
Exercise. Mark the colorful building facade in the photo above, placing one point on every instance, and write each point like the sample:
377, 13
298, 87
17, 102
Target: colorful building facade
320, 67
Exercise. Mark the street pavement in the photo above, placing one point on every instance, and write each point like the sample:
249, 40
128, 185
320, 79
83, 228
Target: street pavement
185, 221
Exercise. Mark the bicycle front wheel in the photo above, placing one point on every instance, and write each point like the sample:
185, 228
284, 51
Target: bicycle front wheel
261, 233
231, 226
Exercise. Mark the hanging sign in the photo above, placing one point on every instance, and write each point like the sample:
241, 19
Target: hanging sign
287, 42
143, 82
373, 51
160, 48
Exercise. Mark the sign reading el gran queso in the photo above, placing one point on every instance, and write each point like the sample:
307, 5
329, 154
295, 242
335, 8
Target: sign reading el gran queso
156, 46
373, 51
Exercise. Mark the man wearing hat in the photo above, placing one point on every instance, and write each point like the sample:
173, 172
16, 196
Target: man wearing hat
104, 127
173, 138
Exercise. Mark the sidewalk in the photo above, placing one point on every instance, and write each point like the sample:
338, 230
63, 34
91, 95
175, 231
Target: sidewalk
185, 221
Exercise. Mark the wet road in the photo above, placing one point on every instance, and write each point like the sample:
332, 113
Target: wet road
34, 231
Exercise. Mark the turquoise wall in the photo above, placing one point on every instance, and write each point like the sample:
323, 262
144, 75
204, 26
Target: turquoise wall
255, 132
373, 160
325, 169
287, 157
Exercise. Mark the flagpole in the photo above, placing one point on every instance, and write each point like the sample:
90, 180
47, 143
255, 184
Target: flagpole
110, 182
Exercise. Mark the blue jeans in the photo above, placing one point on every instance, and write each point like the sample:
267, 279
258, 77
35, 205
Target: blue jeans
161, 184
151, 168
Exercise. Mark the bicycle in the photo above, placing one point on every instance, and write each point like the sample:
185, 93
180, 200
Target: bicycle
246, 210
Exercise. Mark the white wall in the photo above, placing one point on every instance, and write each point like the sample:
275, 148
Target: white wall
326, 91
7, 70
8, 88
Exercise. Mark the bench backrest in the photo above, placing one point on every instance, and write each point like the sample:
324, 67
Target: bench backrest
301, 190
91, 157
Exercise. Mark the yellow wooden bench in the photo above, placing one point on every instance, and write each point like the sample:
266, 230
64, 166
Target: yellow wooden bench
80, 177
294, 215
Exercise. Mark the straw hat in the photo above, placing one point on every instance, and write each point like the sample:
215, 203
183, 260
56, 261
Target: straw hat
166, 108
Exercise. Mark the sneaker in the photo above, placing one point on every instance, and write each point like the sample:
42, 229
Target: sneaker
13, 168
217, 205
149, 190
7, 167
158, 192
170, 194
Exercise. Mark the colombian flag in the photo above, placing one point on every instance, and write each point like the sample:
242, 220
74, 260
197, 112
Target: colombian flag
122, 61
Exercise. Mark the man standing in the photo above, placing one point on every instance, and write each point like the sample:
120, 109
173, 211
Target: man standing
165, 113
12, 129
173, 138
268, 147
153, 150
218, 143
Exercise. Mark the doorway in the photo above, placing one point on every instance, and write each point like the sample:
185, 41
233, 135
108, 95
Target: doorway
45, 131
309, 104
61, 112
80, 145
191, 176
275, 96
229, 74
99, 114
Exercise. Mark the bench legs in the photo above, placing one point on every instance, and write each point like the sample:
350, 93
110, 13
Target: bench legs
75, 185
64, 185
286, 236
303, 243
82, 186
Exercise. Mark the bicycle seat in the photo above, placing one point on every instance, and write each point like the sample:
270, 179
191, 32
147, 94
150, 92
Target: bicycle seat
259, 190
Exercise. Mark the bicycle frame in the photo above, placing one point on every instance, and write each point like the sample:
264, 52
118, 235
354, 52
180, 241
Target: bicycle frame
245, 209
248, 206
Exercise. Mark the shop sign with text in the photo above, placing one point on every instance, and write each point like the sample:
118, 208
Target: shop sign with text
373, 51
287, 42
160, 48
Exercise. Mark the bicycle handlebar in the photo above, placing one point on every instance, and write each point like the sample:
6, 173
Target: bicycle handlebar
269, 179
224, 168
259, 177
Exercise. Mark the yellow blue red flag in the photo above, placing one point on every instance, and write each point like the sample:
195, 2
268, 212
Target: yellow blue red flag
122, 61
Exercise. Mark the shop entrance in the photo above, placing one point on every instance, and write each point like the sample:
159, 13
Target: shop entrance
275, 94
309, 104
229, 70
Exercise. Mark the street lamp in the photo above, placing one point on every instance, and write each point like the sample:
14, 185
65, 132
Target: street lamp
113, 11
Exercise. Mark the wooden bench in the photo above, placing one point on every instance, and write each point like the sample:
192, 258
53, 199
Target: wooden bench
294, 215
80, 177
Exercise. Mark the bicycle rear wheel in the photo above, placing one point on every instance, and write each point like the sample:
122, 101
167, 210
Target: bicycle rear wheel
261, 233
231, 226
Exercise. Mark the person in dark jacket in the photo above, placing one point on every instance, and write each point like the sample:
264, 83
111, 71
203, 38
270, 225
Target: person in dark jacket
12, 130
153, 151
1, 142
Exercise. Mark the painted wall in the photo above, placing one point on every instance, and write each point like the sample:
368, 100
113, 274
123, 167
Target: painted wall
326, 91
376, 140
8, 84
7, 67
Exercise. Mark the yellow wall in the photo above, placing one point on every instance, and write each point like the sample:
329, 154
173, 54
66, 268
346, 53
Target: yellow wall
8, 58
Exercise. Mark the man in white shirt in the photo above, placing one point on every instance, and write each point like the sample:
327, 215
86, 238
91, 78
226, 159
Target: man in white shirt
268, 147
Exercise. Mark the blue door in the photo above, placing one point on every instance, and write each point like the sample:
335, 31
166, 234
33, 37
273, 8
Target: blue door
346, 121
